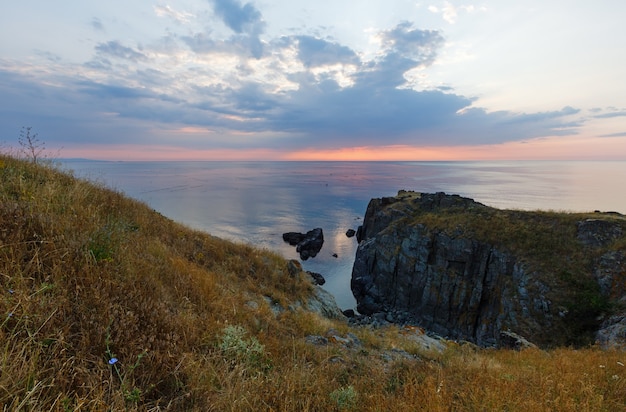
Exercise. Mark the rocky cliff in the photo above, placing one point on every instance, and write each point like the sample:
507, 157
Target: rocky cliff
467, 271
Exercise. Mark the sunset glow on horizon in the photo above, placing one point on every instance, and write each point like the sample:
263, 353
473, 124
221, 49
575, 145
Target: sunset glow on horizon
540, 149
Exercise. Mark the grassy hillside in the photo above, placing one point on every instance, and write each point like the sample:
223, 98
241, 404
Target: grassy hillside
107, 305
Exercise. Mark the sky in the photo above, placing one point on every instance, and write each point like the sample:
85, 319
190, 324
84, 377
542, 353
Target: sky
323, 80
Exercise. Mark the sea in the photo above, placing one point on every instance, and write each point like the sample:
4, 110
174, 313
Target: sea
256, 202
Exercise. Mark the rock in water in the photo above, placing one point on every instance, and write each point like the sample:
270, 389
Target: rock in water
308, 244
293, 238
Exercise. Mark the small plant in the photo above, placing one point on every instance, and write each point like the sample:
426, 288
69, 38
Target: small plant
345, 397
104, 242
31, 146
126, 377
239, 349
101, 246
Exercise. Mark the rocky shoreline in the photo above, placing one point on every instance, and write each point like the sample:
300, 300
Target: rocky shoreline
462, 282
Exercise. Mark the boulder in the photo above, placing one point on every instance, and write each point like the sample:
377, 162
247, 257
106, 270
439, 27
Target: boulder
348, 313
512, 340
294, 268
612, 334
323, 303
318, 279
350, 233
307, 244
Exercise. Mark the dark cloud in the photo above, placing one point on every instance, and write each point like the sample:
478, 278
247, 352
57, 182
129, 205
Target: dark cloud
245, 20
100, 90
314, 52
239, 18
386, 73
252, 98
404, 48
61, 115
99, 63
116, 49
364, 116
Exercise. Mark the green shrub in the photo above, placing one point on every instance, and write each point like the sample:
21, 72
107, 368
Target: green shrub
345, 397
238, 349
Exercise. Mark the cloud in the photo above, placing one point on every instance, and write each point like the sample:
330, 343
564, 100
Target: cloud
52, 57
610, 115
297, 91
204, 43
374, 108
448, 12
419, 45
246, 23
178, 16
622, 134
96, 23
364, 116
239, 18
245, 20
403, 48
100, 90
314, 52
60, 114
117, 50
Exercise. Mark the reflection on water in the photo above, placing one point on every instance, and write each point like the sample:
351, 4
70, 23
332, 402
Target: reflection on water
255, 202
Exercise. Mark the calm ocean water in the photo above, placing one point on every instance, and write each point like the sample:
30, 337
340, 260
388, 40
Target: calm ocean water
255, 202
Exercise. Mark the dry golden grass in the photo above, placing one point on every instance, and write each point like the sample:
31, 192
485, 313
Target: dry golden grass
87, 274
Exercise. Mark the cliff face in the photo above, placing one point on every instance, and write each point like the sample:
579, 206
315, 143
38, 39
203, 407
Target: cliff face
467, 271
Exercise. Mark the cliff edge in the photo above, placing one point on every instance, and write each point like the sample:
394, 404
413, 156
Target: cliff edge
467, 271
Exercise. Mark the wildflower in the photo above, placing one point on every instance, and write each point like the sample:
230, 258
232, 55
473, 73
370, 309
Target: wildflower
112, 361
620, 363
11, 291
602, 366
615, 377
